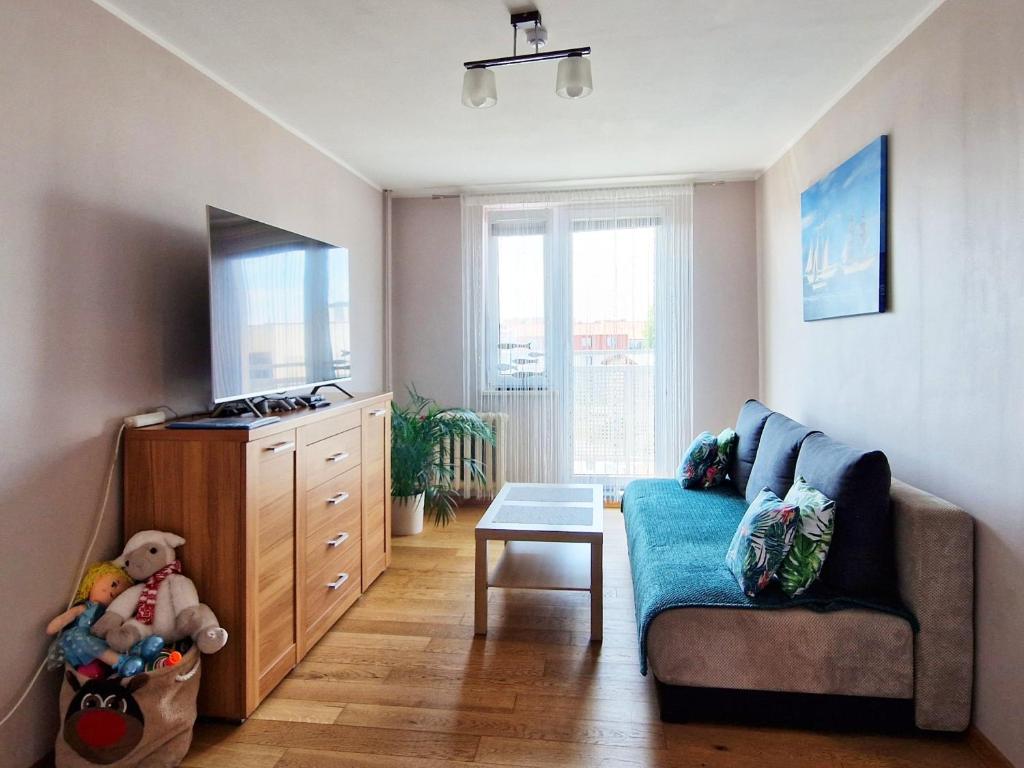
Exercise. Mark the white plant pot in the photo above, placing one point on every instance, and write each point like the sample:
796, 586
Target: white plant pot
407, 515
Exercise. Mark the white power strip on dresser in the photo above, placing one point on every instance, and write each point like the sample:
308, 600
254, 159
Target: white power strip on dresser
145, 419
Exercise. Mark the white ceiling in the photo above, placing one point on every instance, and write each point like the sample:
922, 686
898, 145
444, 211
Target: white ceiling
715, 87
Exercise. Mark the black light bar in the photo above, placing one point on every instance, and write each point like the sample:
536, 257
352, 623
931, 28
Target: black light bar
545, 56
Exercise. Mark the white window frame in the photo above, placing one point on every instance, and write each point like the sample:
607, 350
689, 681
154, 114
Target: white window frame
558, 227
543, 216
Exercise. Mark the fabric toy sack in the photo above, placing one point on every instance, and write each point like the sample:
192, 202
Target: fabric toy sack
145, 720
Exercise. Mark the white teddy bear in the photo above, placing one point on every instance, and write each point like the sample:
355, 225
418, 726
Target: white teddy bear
163, 602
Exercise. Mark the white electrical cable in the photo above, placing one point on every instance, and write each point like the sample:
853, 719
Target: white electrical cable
82, 566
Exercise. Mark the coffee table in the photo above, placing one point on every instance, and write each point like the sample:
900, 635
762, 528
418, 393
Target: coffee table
554, 536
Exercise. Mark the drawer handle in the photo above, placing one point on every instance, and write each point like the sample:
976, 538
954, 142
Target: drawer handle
338, 498
280, 447
334, 458
338, 540
342, 578
377, 412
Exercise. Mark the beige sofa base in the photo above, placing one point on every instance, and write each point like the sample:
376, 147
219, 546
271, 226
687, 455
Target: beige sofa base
854, 652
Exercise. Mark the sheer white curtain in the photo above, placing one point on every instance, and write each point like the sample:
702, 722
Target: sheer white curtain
577, 325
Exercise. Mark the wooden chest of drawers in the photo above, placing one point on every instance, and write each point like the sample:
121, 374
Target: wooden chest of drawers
330, 491
285, 527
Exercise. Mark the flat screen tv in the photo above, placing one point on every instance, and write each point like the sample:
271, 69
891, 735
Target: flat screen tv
279, 309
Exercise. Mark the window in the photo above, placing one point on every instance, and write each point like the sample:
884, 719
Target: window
561, 296
517, 292
613, 396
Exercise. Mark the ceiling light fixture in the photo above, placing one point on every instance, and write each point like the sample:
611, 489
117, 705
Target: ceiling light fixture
573, 80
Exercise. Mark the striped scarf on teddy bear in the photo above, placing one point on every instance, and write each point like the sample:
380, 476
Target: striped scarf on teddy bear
147, 600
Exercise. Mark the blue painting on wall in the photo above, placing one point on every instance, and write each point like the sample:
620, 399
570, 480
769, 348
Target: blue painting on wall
843, 218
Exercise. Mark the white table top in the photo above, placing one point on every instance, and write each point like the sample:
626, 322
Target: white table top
551, 512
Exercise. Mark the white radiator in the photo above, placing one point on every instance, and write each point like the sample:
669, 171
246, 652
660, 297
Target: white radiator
492, 458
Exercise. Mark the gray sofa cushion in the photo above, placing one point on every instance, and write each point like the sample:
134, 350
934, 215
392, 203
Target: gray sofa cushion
749, 425
776, 456
860, 561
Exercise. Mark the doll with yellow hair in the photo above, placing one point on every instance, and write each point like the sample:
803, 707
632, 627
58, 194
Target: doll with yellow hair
77, 645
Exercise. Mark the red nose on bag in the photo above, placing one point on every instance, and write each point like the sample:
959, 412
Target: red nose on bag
101, 728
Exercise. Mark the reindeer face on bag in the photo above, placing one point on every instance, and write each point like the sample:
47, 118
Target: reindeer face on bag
104, 722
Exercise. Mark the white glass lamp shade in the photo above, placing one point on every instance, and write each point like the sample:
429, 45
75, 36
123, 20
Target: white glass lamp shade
574, 81
478, 88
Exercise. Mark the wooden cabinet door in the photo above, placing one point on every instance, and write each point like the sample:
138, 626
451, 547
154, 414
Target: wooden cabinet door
376, 457
272, 463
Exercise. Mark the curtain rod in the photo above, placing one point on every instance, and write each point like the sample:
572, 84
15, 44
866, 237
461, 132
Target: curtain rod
454, 195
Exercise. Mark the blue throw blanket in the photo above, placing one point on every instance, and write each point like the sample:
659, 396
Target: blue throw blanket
677, 543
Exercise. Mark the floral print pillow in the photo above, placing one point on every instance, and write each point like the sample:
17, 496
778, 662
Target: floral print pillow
764, 536
697, 459
806, 557
727, 440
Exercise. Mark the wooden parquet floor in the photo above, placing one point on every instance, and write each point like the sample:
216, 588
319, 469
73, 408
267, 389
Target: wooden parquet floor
402, 681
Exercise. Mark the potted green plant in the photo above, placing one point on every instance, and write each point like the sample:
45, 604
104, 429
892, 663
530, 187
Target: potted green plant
422, 467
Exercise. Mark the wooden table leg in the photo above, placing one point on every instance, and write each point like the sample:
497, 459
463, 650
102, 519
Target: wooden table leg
596, 592
480, 604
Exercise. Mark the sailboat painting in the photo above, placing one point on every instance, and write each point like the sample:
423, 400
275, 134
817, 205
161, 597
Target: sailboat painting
843, 227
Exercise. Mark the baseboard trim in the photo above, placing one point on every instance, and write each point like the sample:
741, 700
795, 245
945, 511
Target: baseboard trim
986, 750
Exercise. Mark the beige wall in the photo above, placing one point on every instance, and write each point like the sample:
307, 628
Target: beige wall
427, 297
110, 148
428, 331
937, 381
725, 350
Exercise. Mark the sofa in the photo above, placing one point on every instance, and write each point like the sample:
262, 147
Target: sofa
890, 619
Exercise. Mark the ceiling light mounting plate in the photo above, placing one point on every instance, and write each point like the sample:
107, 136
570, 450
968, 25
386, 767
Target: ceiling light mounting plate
525, 17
